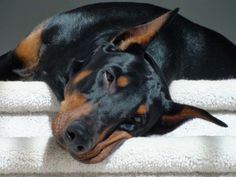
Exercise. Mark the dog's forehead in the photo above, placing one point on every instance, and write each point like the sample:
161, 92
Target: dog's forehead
103, 57
129, 71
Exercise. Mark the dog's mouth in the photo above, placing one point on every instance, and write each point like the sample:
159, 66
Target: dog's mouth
106, 143
102, 149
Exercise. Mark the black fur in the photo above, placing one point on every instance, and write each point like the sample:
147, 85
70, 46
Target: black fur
80, 39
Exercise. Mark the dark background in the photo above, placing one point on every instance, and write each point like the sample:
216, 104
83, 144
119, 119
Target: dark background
18, 17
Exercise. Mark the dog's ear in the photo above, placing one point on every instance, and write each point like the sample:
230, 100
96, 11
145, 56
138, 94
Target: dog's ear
176, 114
143, 34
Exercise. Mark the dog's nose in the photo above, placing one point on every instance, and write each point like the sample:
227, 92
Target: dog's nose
76, 137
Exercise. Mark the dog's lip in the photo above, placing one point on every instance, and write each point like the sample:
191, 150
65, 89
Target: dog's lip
103, 148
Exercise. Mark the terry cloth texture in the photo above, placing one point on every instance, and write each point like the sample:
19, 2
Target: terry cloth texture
198, 148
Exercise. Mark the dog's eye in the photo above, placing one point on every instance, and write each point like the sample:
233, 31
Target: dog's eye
130, 124
109, 77
138, 119
127, 127
111, 48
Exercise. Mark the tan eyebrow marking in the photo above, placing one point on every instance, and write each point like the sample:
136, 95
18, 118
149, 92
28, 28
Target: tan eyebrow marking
142, 109
82, 75
29, 48
122, 81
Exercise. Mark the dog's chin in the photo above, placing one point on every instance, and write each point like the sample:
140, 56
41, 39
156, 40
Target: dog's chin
102, 149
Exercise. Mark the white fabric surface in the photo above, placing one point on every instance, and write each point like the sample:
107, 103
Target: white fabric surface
39, 125
198, 148
137, 155
37, 97
122, 175
23, 97
25, 125
210, 95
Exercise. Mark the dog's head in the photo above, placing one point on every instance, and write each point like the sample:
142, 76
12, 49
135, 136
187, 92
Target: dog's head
119, 94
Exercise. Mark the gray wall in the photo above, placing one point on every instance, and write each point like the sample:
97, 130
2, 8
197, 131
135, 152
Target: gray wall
18, 17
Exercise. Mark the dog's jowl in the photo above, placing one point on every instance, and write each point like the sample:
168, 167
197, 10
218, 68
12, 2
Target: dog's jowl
110, 66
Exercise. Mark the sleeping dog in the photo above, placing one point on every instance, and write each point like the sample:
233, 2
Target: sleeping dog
110, 65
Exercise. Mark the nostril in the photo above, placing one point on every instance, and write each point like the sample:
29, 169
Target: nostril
70, 135
80, 148
76, 137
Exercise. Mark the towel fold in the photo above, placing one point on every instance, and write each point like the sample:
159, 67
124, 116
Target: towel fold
22, 97
198, 148
210, 95
39, 125
153, 155
124, 175
25, 125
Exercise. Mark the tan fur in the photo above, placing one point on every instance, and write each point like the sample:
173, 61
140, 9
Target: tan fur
185, 113
104, 148
142, 34
122, 81
29, 48
72, 108
82, 75
72, 101
142, 109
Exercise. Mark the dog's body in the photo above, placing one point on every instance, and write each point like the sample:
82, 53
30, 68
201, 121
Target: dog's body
65, 44
184, 50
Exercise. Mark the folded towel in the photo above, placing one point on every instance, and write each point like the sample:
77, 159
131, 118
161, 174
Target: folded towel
22, 97
210, 95
28, 107
39, 125
25, 125
27, 149
152, 155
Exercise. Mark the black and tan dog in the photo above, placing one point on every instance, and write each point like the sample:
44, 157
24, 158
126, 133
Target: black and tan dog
110, 64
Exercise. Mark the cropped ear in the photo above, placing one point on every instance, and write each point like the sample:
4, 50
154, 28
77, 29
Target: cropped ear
176, 114
143, 34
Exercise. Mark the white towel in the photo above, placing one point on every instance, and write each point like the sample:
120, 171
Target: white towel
25, 125
22, 97
39, 125
198, 148
210, 95
30, 106
152, 155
